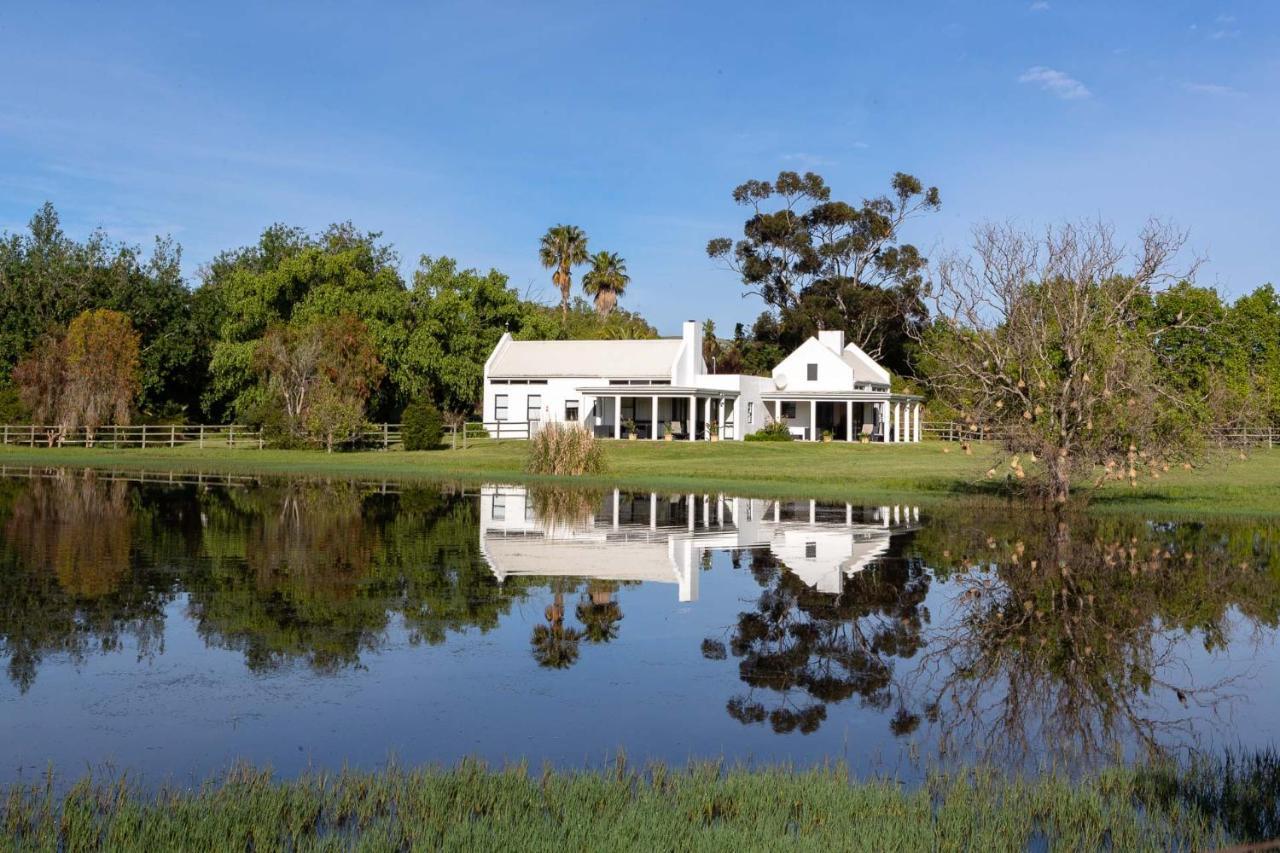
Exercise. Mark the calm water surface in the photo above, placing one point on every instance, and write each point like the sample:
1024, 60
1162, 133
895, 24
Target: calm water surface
170, 629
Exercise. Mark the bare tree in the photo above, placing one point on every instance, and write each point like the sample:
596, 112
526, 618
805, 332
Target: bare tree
1044, 341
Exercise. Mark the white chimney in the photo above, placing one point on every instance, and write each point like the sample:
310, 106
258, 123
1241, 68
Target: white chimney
832, 340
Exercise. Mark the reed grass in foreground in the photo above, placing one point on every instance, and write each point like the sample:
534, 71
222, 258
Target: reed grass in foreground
703, 807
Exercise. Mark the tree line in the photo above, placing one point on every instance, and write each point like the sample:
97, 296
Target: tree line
1081, 350
307, 334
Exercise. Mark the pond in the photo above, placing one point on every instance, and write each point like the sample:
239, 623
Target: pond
169, 626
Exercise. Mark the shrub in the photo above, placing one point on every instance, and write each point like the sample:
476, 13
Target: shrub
422, 426
772, 431
565, 450
12, 410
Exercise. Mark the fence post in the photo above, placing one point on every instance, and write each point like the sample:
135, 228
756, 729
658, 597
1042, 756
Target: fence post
386, 436
6, 433
144, 436
202, 436
231, 436
173, 436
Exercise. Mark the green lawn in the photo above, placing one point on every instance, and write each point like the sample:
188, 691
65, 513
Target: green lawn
838, 472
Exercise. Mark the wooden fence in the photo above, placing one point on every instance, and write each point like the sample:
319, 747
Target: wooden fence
237, 436
1266, 436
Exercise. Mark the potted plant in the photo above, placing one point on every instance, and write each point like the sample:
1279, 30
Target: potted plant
713, 429
630, 426
827, 436
667, 435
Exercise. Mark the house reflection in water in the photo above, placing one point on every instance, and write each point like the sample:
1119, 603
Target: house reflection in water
663, 538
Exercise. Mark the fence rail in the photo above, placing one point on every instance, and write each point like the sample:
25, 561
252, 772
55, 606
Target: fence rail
140, 435
380, 436
1225, 437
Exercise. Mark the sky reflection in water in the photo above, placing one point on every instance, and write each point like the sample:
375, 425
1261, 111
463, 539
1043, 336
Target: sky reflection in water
170, 629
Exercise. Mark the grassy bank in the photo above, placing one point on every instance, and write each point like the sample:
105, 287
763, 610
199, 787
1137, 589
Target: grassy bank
702, 808
838, 472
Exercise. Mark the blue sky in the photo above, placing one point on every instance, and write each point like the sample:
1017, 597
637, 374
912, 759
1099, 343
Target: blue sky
467, 128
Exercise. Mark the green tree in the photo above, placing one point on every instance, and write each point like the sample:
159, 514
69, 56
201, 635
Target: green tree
824, 264
47, 279
563, 247
321, 376
606, 280
292, 279
456, 318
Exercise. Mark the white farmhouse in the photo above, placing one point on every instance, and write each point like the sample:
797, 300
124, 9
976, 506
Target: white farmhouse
662, 538
652, 388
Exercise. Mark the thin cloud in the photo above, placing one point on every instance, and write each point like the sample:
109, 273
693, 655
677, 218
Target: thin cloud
1056, 82
1039, 6
1214, 89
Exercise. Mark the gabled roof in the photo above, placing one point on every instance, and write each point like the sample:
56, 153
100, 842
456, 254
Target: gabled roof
645, 359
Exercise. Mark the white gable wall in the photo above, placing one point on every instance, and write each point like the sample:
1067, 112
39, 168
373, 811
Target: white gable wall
834, 373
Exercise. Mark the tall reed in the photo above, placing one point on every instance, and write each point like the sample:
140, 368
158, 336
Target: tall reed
565, 450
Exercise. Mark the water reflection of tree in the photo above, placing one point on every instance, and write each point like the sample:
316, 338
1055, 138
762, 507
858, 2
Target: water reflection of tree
598, 612
1064, 636
316, 571
554, 644
292, 577
71, 581
801, 650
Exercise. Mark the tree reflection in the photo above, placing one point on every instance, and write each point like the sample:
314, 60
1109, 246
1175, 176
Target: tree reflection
598, 612
555, 645
289, 572
70, 580
801, 650
1065, 636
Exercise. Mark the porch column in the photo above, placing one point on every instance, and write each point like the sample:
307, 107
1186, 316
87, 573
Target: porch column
617, 416
897, 423
653, 510
777, 511
813, 420
691, 428
653, 433
616, 496
706, 416
813, 511
720, 416
691, 512
916, 432
848, 421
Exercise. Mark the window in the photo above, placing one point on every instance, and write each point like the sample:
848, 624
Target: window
535, 408
813, 373
499, 512
751, 412
788, 411
571, 410
500, 407
811, 550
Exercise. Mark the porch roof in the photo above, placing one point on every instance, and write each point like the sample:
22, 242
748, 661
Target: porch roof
655, 391
852, 396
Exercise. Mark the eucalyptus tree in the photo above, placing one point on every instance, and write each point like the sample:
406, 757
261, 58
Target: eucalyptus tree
606, 280
563, 248
828, 264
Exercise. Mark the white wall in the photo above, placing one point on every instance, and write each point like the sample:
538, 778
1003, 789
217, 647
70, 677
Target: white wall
833, 373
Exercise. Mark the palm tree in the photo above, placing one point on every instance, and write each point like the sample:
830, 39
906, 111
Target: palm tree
563, 247
606, 281
554, 645
599, 613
